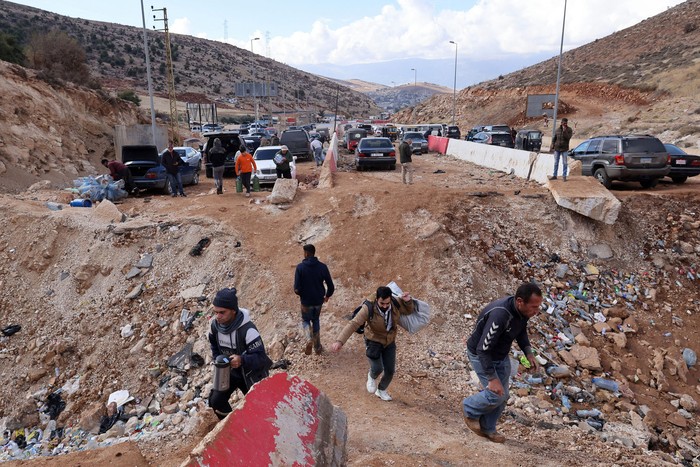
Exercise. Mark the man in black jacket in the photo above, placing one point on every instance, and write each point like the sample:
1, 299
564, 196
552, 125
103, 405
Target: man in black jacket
309, 278
405, 157
499, 324
234, 335
172, 163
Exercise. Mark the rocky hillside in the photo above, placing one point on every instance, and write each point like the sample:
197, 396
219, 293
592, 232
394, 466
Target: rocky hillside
640, 79
205, 70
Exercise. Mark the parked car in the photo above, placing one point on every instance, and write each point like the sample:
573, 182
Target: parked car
504, 128
298, 143
683, 165
420, 144
325, 134
529, 140
641, 158
453, 132
494, 138
352, 137
267, 170
474, 130
210, 127
148, 172
375, 152
231, 141
188, 154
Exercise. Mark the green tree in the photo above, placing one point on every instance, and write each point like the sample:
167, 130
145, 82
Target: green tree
129, 95
10, 51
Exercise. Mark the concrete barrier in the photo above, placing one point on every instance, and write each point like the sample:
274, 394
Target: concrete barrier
512, 161
284, 421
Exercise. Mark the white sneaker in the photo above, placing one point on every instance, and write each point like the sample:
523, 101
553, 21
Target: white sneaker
383, 395
371, 384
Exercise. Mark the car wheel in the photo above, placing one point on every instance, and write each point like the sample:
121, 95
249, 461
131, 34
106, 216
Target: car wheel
679, 179
649, 183
195, 178
358, 167
603, 178
392, 167
209, 172
166, 187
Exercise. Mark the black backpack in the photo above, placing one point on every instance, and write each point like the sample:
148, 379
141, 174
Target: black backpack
370, 307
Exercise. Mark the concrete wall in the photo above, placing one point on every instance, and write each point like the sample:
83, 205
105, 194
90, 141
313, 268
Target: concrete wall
139, 134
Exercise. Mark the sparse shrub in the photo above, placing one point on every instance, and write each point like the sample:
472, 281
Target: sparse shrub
57, 56
632, 119
500, 76
10, 51
690, 27
129, 95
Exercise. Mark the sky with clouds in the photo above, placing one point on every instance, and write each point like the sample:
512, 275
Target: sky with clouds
304, 33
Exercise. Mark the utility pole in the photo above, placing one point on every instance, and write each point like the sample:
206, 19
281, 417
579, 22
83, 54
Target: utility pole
150, 80
174, 129
556, 95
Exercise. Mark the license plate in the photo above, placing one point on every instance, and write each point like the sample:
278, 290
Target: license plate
377, 154
680, 161
645, 160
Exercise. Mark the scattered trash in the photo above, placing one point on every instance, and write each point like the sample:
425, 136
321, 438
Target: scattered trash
99, 188
54, 405
197, 250
688, 355
81, 203
127, 331
281, 364
54, 206
10, 330
606, 384
119, 397
438, 171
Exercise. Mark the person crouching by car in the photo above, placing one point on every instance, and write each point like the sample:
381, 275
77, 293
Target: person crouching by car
119, 171
282, 160
380, 315
245, 164
234, 335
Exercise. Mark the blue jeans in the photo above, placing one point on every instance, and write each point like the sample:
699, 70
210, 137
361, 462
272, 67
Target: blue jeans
176, 184
564, 155
384, 365
487, 406
318, 155
311, 316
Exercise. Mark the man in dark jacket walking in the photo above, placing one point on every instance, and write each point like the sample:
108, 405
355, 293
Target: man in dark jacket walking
309, 278
499, 324
217, 158
172, 163
560, 144
405, 154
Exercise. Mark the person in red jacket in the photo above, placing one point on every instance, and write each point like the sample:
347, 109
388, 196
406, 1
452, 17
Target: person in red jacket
245, 164
119, 171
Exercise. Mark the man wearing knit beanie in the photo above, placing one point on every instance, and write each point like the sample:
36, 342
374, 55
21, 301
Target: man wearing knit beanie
234, 336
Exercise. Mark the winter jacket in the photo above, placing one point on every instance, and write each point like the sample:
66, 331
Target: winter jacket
284, 165
405, 152
117, 170
561, 139
252, 351
217, 155
375, 329
498, 325
308, 282
245, 163
172, 162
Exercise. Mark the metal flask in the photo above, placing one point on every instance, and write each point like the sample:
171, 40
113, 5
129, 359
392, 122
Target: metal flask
222, 373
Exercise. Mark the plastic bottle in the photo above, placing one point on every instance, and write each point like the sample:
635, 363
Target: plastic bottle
606, 384
595, 413
690, 357
533, 379
565, 402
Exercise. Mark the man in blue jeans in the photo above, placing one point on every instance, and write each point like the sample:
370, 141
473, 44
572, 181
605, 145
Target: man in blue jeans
309, 278
560, 145
172, 163
499, 324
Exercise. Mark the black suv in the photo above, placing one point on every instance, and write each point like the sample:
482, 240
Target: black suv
231, 141
640, 158
453, 132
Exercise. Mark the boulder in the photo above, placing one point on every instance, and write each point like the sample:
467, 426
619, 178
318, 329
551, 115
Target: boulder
40, 185
283, 191
677, 419
586, 357
90, 417
586, 196
108, 212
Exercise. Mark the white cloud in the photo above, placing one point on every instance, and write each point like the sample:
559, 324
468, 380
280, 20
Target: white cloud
180, 26
491, 29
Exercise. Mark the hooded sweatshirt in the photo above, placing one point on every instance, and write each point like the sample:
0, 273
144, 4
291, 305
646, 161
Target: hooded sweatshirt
217, 154
308, 281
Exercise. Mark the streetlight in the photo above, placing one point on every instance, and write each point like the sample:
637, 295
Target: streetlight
255, 99
454, 89
415, 76
251, 43
556, 95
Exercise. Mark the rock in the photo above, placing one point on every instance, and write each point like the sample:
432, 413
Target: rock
636, 421
618, 338
562, 269
36, 373
591, 270
653, 420
146, 261
582, 339
617, 312
283, 191
171, 408
108, 212
131, 424
127, 331
588, 199
135, 292
193, 292
138, 347
602, 327
677, 367
90, 417
686, 248
586, 357
567, 357
630, 325
688, 403
116, 431
601, 250
677, 419
133, 272
177, 419
41, 185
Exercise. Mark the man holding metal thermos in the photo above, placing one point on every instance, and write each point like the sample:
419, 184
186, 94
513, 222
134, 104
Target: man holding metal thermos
238, 351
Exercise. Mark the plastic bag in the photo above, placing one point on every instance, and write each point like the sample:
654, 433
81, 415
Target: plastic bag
416, 320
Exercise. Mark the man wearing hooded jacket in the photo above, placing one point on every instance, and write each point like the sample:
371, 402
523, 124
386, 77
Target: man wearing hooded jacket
249, 362
309, 278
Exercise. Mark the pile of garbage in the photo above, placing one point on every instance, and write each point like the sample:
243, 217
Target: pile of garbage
99, 188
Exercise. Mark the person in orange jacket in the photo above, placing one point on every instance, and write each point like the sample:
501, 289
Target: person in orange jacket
245, 164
